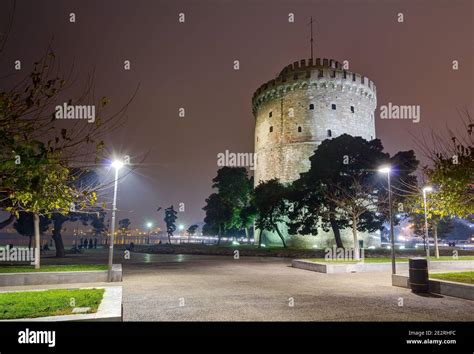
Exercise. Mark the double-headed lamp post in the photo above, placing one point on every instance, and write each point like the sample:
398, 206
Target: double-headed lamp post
117, 165
427, 239
387, 170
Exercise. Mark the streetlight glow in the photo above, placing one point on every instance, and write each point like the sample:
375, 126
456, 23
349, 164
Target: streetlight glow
117, 164
149, 225
385, 169
427, 189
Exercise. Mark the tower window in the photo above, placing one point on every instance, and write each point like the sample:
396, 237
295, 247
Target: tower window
299, 129
329, 133
352, 109
333, 106
271, 129
371, 137
353, 77
270, 114
311, 106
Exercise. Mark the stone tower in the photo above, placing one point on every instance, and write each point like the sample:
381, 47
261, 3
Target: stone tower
308, 102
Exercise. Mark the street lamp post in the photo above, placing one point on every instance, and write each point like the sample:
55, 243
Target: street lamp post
149, 225
387, 170
117, 165
427, 239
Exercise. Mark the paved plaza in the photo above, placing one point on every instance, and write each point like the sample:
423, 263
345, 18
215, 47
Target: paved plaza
220, 288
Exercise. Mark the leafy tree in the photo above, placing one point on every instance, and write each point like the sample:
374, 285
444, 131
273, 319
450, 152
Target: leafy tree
84, 182
124, 225
218, 214
170, 221
271, 207
342, 188
227, 208
24, 225
97, 221
192, 229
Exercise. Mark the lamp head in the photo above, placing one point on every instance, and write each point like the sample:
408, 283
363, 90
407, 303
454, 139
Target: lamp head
385, 169
117, 164
427, 189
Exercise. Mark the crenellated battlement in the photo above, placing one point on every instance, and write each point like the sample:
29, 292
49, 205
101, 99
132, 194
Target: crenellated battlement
320, 73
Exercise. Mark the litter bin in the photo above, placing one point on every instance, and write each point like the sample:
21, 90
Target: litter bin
418, 272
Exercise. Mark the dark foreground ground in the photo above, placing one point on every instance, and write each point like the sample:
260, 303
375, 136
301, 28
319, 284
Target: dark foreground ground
221, 288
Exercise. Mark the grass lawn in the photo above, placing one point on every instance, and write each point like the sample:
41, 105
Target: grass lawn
388, 259
51, 268
460, 277
48, 302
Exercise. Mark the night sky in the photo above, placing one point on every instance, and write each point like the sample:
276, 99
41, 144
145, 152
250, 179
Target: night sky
190, 65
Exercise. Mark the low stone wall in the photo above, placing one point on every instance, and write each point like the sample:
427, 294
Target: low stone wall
110, 310
42, 278
374, 267
436, 286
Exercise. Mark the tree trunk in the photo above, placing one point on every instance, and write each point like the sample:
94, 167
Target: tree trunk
219, 235
169, 238
337, 232
247, 234
58, 240
356, 239
37, 240
260, 239
279, 234
435, 232
30, 241
6, 222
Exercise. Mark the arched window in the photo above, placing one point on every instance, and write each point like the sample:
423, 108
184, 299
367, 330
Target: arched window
311, 106
352, 109
270, 114
299, 129
333, 106
329, 133
271, 129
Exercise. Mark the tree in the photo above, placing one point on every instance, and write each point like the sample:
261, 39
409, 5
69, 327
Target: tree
271, 208
84, 182
451, 172
342, 188
192, 229
357, 203
170, 221
97, 221
225, 208
218, 214
124, 225
24, 225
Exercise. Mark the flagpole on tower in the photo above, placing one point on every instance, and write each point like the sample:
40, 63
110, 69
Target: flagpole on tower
311, 26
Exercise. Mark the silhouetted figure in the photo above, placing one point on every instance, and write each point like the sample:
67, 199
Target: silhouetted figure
85, 243
95, 242
91, 244
81, 244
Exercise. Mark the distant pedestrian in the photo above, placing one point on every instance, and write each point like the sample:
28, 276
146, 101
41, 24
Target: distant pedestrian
91, 244
81, 243
95, 242
85, 243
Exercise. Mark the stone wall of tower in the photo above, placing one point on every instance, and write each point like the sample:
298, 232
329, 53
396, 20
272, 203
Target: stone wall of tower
288, 130
294, 114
